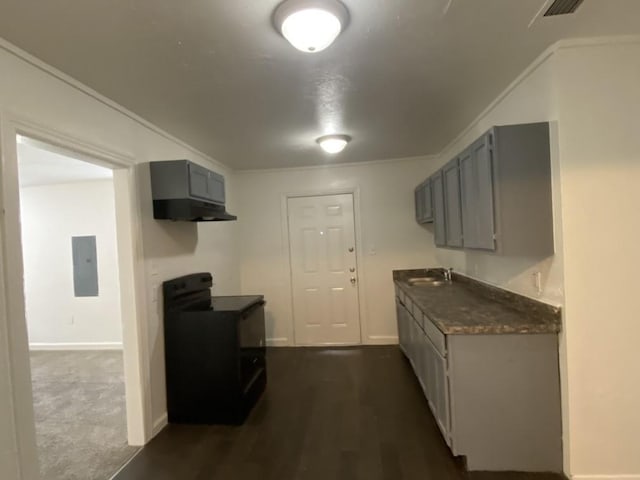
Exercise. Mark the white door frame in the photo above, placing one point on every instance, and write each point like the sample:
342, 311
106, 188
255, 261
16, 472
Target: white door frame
286, 253
132, 281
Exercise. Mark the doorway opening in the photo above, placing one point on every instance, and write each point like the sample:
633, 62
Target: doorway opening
72, 296
324, 270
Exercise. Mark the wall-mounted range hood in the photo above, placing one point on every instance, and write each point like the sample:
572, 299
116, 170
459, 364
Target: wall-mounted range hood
185, 191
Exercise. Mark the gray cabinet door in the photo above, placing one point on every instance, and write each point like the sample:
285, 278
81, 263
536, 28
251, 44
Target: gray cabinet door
199, 184
423, 202
403, 332
430, 354
469, 197
427, 202
452, 204
441, 400
437, 190
419, 203
421, 364
216, 187
205, 184
485, 214
476, 184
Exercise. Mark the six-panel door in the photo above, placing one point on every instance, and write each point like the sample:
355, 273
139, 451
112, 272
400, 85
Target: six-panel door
324, 272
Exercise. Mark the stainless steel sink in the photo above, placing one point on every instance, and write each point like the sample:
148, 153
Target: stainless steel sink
426, 281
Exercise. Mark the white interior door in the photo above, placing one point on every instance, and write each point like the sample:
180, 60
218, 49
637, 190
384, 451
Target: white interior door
324, 273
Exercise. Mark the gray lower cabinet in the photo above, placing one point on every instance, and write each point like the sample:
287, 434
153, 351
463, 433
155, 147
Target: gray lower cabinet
428, 361
495, 398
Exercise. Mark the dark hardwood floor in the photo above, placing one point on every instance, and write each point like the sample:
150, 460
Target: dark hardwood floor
346, 414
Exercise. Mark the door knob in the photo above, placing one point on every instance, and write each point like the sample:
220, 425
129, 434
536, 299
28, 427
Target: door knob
352, 269
351, 249
353, 280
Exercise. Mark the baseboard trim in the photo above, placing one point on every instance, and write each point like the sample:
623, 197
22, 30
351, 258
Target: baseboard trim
606, 477
159, 424
126, 463
76, 346
278, 342
371, 340
382, 340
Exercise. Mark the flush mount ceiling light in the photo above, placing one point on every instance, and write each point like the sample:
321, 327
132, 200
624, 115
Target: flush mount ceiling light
311, 25
333, 143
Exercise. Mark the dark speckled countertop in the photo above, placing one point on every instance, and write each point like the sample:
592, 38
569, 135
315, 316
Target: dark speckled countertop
468, 307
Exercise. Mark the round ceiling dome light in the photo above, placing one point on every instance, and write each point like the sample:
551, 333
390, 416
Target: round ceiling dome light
333, 143
311, 25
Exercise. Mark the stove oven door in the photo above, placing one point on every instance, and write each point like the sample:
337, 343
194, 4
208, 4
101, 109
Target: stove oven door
251, 332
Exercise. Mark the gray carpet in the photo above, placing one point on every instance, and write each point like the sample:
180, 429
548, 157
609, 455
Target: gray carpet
80, 414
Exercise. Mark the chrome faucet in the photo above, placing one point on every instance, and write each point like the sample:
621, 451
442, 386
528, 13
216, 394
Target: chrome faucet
448, 275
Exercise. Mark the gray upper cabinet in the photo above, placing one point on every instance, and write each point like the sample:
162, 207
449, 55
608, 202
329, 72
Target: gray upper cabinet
522, 190
418, 195
176, 179
452, 204
423, 202
485, 210
205, 184
437, 190
497, 194
427, 202
468, 197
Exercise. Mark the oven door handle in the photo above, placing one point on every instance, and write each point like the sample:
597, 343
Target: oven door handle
249, 310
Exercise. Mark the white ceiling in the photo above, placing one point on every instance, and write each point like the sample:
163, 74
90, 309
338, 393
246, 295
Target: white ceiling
46, 166
403, 79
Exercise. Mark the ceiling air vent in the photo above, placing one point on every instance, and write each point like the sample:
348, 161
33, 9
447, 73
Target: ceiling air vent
562, 7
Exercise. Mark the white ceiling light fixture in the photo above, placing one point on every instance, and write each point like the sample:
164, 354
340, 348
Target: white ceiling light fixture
311, 25
333, 143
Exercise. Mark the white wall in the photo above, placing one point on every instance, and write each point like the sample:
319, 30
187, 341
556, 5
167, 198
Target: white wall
599, 106
28, 91
390, 237
51, 215
589, 91
530, 99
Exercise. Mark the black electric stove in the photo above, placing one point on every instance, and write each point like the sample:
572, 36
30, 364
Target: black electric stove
215, 360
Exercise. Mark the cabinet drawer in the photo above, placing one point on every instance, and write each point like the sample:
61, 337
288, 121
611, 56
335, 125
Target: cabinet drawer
435, 335
399, 293
408, 304
417, 313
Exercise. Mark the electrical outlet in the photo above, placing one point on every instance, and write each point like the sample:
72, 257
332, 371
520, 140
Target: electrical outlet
537, 282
